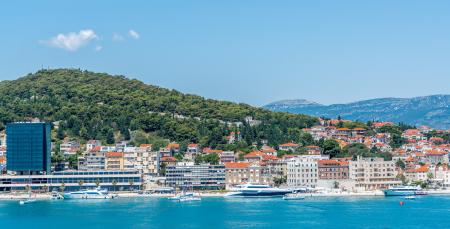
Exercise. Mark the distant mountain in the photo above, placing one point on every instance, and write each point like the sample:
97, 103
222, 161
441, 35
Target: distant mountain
431, 110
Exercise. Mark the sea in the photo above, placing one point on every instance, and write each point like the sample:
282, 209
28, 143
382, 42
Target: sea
216, 212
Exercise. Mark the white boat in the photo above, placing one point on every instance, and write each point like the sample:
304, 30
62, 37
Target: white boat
188, 198
257, 190
294, 196
27, 201
403, 191
96, 193
56, 196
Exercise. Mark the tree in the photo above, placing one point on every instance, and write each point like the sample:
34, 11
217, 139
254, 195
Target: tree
331, 147
62, 187
110, 136
400, 164
131, 183
80, 183
114, 183
60, 133
336, 184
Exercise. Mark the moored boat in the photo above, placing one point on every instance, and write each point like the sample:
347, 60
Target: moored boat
257, 190
294, 196
96, 193
404, 191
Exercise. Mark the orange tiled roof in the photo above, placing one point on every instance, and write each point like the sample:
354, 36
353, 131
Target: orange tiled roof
236, 165
173, 146
168, 159
289, 144
114, 154
145, 145
422, 169
435, 153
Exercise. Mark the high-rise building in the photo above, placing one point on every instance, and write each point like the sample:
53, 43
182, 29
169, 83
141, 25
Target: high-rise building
28, 147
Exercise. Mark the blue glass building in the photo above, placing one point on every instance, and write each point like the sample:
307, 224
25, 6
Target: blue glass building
28, 147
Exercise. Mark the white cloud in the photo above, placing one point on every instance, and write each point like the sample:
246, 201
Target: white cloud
72, 41
133, 34
117, 37
98, 48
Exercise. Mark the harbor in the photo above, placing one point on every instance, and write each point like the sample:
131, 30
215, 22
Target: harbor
312, 212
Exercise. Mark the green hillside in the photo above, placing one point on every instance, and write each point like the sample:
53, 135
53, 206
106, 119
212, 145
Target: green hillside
100, 106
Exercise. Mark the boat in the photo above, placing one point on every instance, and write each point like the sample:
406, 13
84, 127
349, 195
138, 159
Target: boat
294, 196
56, 196
96, 193
404, 191
27, 201
257, 190
410, 197
189, 197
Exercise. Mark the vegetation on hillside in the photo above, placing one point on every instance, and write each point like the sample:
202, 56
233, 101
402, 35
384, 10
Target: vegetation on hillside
87, 105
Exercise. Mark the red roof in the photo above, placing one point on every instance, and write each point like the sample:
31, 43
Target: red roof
236, 165
173, 146
435, 153
114, 154
192, 145
422, 169
168, 159
289, 144
254, 154
333, 162
96, 149
145, 145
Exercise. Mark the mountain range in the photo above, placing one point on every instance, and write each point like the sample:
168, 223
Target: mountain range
433, 110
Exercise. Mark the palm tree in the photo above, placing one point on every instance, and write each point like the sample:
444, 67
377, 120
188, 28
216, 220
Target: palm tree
45, 188
97, 182
80, 183
62, 187
114, 183
131, 182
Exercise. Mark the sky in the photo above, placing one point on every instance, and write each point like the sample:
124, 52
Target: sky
254, 52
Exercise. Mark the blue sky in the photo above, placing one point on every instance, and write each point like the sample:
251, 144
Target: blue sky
245, 51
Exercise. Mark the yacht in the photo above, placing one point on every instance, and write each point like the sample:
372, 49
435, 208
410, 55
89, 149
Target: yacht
96, 193
257, 190
403, 191
294, 196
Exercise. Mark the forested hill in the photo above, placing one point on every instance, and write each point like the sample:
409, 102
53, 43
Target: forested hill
100, 106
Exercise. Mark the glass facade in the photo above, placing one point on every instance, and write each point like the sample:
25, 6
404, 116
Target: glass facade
28, 147
73, 181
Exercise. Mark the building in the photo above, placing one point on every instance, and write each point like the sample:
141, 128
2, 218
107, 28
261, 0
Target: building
246, 172
290, 146
92, 144
188, 176
302, 171
333, 169
373, 173
114, 161
417, 174
69, 147
28, 147
92, 160
226, 156
73, 181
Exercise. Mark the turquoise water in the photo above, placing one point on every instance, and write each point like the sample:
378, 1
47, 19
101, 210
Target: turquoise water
367, 212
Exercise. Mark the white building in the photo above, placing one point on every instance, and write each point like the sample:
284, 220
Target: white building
373, 173
303, 171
